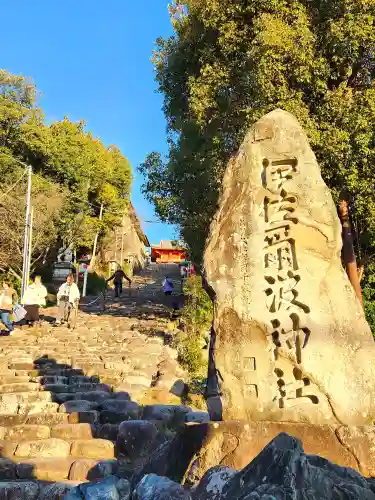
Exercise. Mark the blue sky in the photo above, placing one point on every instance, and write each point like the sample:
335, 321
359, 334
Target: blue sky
91, 60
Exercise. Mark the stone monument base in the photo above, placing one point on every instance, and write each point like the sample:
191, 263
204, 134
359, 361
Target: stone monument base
237, 443
234, 444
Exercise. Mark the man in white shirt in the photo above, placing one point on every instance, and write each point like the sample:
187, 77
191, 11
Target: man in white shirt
67, 298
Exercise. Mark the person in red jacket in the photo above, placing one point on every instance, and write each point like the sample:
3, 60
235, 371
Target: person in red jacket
118, 277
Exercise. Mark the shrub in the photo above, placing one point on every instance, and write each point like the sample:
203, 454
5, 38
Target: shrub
198, 309
368, 288
189, 348
196, 319
95, 284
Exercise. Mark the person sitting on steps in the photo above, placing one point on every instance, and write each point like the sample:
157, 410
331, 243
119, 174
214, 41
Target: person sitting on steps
8, 297
67, 298
33, 299
118, 276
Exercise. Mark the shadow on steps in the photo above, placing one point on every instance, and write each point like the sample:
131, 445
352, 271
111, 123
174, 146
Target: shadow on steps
62, 428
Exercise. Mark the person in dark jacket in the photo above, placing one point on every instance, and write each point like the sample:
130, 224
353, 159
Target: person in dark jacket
118, 277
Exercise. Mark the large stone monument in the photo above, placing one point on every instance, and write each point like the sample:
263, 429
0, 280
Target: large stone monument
290, 342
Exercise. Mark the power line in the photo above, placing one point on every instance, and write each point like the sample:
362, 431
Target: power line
15, 159
13, 186
154, 222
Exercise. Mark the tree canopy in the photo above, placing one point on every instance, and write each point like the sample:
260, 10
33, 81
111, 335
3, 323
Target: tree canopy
73, 173
231, 62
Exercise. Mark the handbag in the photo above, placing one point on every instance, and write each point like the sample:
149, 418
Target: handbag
19, 313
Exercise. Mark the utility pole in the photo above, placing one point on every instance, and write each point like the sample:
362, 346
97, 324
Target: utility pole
122, 241
116, 245
92, 263
76, 264
86, 272
30, 245
27, 234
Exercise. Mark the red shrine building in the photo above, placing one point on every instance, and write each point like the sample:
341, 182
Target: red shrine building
168, 252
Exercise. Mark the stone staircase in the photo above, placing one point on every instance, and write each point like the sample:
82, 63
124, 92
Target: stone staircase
74, 404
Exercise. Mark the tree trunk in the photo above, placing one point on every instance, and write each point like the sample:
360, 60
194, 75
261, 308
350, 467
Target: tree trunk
348, 250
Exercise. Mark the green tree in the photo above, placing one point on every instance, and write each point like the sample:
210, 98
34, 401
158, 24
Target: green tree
231, 62
74, 173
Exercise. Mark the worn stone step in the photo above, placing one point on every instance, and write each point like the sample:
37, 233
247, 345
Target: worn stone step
17, 490
72, 431
22, 397
56, 469
57, 388
63, 372
4, 364
22, 366
28, 373
106, 355
138, 380
92, 469
43, 448
7, 469
48, 419
13, 378
62, 397
108, 431
77, 406
10, 419
26, 432
21, 402
83, 417
118, 366
93, 448
95, 396
45, 469
28, 408
8, 373
89, 386
51, 379
19, 387
7, 448
78, 360
56, 491
112, 380
88, 368
136, 391
76, 379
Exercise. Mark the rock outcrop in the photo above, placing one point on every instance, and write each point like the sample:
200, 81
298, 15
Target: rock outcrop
127, 243
234, 444
283, 471
290, 340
